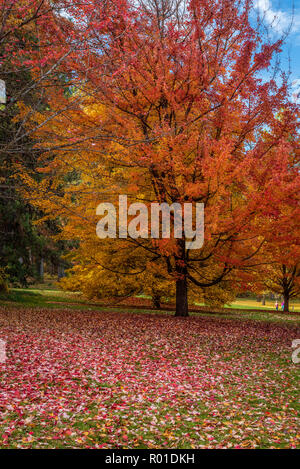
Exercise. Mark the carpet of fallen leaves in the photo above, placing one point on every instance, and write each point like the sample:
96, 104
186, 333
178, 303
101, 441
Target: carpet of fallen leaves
82, 379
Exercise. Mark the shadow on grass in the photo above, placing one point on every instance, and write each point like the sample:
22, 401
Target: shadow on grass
28, 298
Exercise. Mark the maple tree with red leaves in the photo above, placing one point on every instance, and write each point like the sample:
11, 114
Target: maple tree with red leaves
171, 107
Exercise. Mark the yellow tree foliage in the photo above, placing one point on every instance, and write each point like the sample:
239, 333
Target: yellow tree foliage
167, 116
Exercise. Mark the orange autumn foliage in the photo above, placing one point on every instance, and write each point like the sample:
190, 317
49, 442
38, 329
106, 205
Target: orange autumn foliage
171, 108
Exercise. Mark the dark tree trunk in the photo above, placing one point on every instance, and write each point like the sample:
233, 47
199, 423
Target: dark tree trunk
42, 270
181, 282
60, 272
286, 298
181, 297
156, 301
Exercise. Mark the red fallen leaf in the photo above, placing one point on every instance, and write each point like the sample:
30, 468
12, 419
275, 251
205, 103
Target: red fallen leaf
54, 380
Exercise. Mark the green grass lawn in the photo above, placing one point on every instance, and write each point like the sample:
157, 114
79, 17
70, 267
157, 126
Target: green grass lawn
246, 303
47, 296
81, 378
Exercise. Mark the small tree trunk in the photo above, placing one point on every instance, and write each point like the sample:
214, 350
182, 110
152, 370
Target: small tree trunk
60, 271
286, 299
181, 297
42, 270
181, 282
156, 301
